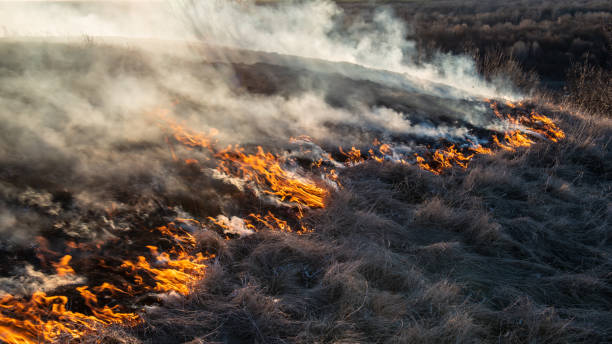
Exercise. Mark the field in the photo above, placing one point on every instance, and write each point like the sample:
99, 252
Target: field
379, 172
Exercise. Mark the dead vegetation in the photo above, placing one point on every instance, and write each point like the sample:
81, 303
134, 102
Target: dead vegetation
515, 249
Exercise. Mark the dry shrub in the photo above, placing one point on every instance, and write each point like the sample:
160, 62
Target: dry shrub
589, 88
501, 68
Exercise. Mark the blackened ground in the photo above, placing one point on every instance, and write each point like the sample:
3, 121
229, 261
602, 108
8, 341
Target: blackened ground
515, 249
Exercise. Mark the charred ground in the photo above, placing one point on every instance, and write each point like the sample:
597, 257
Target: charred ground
514, 249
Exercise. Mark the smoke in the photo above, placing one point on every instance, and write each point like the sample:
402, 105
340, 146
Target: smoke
80, 117
28, 281
314, 29
319, 29
61, 19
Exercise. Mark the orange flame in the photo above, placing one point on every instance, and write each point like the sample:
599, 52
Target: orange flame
42, 318
266, 171
479, 149
353, 156
62, 266
271, 222
443, 159
263, 168
525, 124
513, 140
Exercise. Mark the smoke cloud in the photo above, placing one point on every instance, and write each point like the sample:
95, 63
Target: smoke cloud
82, 86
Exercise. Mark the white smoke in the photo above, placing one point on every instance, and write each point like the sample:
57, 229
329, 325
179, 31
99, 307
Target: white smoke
311, 29
29, 280
63, 19
77, 116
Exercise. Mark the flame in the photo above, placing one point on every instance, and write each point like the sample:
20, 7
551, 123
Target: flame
479, 149
271, 222
266, 171
524, 126
549, 128
181, 272
353, 156
62, 266
43, 318
109, 287
385, 149
513, 140
443, 159
179, 266
263, 169
177, 270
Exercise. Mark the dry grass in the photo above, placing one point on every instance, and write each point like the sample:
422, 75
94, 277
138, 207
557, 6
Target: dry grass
589, 88
516, 249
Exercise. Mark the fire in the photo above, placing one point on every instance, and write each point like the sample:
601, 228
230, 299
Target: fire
178, 266
524, 127
479, 149
549, 130
179, 275
193, 139
176, 270
513, 140
353, 156
266, 171
443, 159
43, 318
62, 266
271, 222
384, 149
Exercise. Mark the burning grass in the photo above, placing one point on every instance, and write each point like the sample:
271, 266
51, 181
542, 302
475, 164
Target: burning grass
179, 268
46, 318
501, 239
487, 253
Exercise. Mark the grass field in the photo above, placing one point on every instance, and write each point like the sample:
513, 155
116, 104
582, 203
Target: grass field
514, 248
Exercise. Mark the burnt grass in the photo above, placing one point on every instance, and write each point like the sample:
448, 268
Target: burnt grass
515, 249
